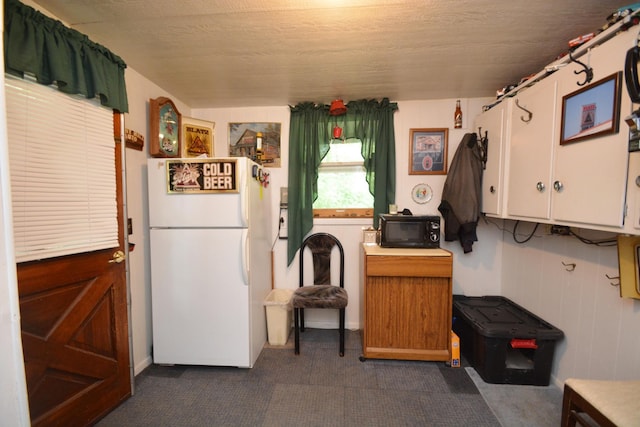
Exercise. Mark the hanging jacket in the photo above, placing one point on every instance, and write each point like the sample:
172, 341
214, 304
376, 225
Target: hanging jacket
462, 193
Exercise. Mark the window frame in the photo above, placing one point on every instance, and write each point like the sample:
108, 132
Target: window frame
345, 212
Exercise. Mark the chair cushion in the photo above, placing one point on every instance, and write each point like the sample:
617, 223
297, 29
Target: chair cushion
319, 296
616, 400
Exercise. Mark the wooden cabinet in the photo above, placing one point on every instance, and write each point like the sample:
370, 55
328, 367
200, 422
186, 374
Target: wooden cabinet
407, 303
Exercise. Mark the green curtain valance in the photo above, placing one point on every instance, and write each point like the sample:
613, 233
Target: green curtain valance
53, 53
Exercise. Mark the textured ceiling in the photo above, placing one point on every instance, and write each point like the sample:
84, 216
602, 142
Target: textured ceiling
234, 53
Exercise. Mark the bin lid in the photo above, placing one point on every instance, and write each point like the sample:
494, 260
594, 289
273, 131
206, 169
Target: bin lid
499, 317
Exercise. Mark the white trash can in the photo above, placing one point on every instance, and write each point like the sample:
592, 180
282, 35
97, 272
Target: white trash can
278, 308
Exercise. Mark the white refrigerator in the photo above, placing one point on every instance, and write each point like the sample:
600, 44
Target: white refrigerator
210, 248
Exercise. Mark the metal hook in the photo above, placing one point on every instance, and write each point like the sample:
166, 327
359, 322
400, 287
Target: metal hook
526, 111
587, 70
570, 266
613, 278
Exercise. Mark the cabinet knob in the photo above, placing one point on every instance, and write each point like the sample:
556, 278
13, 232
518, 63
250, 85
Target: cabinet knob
638, 180
558, 186
492, 189
540, 186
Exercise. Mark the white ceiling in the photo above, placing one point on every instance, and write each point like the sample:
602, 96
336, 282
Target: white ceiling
235, 53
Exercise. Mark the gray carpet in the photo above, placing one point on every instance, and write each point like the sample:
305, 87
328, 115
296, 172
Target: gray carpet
316, 388
521, 405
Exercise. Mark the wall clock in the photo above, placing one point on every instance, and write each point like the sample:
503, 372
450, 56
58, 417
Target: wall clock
165, 122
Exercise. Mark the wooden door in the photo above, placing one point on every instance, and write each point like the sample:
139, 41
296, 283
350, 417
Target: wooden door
75, 331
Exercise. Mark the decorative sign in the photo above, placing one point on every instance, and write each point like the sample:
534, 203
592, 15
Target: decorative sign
164, 128
133, 139
202, 176
197, 137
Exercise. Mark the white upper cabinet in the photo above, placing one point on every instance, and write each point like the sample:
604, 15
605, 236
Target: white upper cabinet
591, 174
581, 182
493, 123
531, 151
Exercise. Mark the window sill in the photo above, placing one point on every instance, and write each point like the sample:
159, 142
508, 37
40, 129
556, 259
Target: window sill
343, 221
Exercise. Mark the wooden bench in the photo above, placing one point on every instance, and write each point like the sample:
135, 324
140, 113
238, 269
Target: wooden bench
608, 403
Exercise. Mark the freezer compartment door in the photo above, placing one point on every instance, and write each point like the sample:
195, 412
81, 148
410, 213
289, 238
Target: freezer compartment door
200, 300
195, 209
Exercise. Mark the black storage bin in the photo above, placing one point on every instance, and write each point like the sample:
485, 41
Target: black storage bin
505, 343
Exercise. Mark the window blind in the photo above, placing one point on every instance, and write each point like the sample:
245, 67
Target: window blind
62, 167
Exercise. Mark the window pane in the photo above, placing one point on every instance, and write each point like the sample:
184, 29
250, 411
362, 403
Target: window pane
342, 179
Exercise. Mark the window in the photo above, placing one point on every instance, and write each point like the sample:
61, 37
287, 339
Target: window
62, 157
343, 190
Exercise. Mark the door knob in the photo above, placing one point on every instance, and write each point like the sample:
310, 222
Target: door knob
118, 257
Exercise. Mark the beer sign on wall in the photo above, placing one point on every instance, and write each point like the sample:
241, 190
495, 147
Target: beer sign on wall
202, 176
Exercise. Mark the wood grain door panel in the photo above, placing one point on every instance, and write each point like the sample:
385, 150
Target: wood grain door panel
75, 337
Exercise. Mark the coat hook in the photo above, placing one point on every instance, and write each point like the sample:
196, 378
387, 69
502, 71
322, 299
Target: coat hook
587, 70
570, 266
613, 278
527, 120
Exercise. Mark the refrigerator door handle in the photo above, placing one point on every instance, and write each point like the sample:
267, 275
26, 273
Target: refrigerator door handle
244, 200
245, 256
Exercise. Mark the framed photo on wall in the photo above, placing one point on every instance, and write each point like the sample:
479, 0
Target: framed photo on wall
428, 151
591, 111
243, 141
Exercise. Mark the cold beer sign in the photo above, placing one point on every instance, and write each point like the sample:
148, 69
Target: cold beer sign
202, 176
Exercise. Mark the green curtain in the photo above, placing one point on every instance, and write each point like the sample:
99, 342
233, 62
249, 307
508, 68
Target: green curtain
309, 136
54, 53
373, 125
309, 140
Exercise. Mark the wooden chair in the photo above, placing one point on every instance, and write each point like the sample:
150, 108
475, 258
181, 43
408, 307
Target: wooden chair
608, 403
322, 293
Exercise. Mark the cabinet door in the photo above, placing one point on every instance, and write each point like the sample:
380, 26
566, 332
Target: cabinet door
593, 172
632, 224
494, 123
530, 150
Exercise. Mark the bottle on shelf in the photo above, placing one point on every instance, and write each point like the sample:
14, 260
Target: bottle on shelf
457, 116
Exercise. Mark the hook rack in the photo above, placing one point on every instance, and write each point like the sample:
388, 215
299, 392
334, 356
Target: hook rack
587, 70
613, 278
483, 145
569, 266
527, 120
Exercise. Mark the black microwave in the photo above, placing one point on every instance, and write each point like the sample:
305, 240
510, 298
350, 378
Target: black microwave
409, 231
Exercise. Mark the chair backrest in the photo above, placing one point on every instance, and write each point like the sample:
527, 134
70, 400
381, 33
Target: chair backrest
321, 246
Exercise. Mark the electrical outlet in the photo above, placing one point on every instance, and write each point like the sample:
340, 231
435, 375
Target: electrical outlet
282, 226
560, 230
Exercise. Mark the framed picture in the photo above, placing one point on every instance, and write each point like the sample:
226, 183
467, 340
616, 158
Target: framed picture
164, 128
591, 111
428, 151
197, 138
243, 142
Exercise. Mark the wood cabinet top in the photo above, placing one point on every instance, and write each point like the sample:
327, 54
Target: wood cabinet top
377, 250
